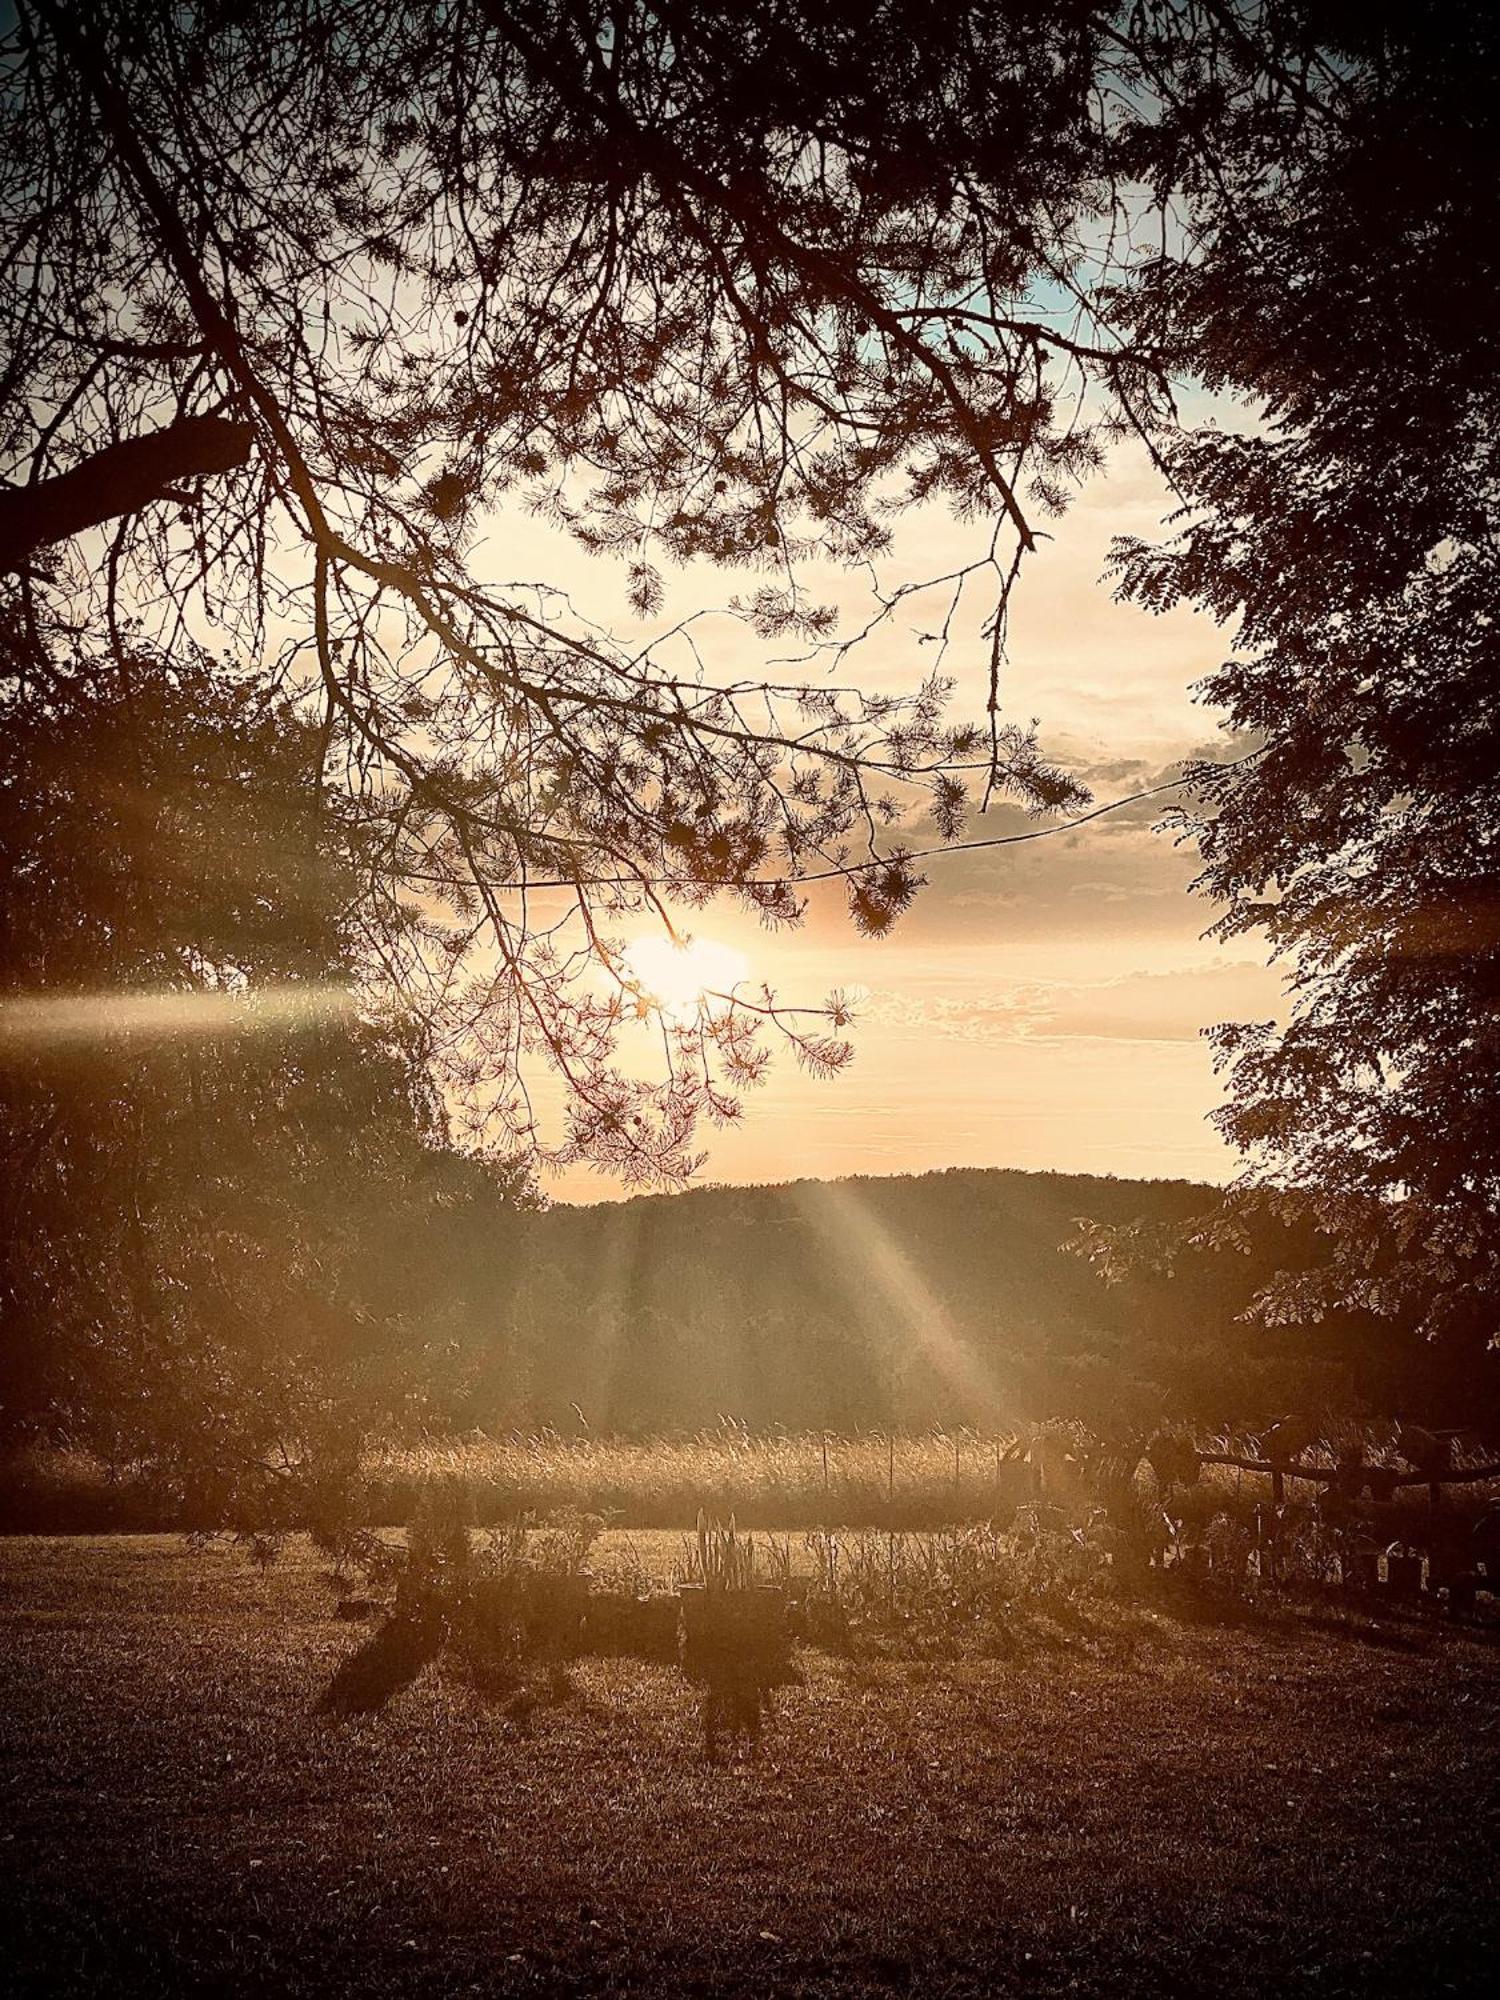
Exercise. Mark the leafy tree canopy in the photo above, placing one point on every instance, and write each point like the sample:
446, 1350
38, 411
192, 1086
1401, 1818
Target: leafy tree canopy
1352, 297
207, 1141
692, 282
739, 285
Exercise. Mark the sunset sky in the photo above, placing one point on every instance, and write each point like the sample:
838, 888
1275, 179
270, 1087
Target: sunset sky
1040, 1006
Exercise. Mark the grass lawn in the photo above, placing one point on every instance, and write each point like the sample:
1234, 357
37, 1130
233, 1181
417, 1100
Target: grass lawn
1160, 1805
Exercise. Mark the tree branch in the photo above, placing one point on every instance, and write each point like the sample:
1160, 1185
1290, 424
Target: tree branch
121, 479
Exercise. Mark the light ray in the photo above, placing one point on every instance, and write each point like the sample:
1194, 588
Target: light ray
889, 1296
40, 1021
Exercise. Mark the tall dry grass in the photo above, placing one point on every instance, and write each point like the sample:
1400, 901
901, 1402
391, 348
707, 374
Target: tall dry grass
783, 1481
779, 1480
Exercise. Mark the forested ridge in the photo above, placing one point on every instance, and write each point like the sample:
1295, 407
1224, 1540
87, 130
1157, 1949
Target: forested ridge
956, 1297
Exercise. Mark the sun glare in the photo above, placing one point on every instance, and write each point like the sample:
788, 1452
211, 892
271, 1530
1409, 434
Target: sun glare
680, 979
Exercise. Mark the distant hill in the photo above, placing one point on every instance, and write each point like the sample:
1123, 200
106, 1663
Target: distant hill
937, 1298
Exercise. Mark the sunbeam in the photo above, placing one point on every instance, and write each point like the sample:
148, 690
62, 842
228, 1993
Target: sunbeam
36, 1021
889, 1296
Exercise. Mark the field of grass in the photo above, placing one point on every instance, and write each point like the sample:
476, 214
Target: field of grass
786, 1481
777, 1480
1153, 1799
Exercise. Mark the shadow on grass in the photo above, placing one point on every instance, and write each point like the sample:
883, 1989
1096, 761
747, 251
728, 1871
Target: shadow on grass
388, 1661
1363, 1621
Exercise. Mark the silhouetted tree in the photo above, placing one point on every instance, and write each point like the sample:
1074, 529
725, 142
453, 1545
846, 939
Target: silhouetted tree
691, 282
1343, 280
208, 1141
735, 285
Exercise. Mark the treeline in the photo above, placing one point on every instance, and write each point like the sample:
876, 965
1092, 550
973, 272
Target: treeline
952, 1298
228, 1197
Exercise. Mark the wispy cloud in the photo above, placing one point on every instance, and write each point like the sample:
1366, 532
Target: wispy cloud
1137, 1006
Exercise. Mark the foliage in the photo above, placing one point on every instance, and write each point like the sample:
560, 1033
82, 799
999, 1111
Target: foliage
1342, 281
723, 1559
691, 286
663, 1314
491, 1604
206, 1132
739, 287
942, 1588
760, 1304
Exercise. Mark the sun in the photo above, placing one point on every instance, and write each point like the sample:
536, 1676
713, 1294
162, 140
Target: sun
680, 979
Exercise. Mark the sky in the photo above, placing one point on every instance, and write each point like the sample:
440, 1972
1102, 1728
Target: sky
1039, 1006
